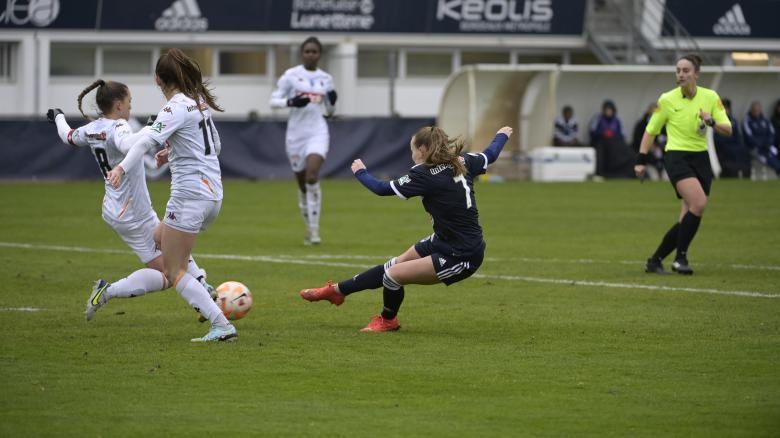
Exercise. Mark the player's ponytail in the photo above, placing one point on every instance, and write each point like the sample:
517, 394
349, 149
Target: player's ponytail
176, 69
107, 94
441, 148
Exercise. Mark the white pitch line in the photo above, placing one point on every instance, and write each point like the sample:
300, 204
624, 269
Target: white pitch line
21, 309
290, 260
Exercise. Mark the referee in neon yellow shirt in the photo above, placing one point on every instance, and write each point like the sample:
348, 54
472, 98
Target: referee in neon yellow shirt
686, 111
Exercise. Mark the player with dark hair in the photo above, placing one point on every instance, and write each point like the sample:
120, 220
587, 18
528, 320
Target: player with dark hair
445, 180
686, 111
185, 125
309, 93
128, 208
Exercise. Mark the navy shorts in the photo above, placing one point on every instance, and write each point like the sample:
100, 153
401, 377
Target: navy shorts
450, 268
680, 165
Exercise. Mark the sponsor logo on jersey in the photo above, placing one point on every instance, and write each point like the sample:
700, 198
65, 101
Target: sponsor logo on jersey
157, 126
440, 168
201, 105
404, 179
182, 15
732, 23
97, 136
497, 15
167, 109
39, 13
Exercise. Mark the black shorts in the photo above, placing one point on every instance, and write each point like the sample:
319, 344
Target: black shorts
449, 268
680, 165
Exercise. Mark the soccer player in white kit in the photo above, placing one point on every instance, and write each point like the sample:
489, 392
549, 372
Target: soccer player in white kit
310, 94
196, 181
127, 209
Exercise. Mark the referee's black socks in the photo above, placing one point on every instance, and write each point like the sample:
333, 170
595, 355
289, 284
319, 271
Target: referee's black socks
688, 227
668, 243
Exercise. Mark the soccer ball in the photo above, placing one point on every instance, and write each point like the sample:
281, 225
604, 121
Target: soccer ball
234, 299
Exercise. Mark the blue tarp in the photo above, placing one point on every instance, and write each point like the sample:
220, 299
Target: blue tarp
31, 149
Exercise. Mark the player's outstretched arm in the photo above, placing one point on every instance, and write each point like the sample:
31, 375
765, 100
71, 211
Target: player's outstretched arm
494, 149
381, 188
56, 116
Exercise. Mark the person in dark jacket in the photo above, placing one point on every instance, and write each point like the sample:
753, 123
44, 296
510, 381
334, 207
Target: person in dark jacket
760, 136
733, 156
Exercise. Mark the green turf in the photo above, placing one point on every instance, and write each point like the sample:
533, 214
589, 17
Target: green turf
492, 356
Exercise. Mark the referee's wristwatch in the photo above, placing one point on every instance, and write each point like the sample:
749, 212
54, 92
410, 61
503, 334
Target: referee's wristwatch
710, 122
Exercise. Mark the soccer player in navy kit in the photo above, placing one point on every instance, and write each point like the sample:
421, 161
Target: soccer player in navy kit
445, 180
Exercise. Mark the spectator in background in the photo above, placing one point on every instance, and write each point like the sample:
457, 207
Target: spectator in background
614, 158
733, 156
760, 136
776, 122
566, 128
657, 148
606, 125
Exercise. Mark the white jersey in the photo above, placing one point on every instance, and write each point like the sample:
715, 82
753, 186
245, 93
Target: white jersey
109, 141
306, 121
194, 145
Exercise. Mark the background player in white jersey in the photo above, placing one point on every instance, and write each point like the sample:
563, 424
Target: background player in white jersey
127, 209
196, 180
445, 180
310, 94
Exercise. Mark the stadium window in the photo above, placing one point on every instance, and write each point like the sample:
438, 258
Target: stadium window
242, 62
204, 56
69, 60
127, 61
428, 64
374, 63
468, 58
756, 59
283, 57
8, 62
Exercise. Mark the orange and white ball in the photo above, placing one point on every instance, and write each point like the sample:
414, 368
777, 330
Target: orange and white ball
234, 299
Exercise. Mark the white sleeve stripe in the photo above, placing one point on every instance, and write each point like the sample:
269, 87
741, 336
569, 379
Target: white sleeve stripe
486, 160
392, 186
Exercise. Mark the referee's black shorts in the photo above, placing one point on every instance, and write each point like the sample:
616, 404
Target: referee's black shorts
680, 165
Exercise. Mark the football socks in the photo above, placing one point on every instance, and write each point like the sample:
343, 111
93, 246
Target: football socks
196, 296
668, 243
136, 284
688, 227
313, 202
370, 279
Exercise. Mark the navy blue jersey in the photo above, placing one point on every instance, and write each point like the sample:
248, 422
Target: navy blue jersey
450, 201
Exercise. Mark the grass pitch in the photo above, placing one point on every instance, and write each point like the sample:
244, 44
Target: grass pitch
559, 334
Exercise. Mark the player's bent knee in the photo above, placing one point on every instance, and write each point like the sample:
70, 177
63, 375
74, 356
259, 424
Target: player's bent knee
389, 282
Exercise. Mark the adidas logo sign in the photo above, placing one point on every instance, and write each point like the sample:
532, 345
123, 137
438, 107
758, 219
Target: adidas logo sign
733, 23
182, 15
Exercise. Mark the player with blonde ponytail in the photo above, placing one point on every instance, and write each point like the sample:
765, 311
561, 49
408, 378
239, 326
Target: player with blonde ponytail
444, 178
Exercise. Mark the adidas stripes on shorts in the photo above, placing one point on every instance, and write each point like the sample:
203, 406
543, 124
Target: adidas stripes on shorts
450, 269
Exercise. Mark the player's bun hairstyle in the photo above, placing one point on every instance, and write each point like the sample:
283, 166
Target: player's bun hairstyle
311, 39
107, 94
176, 69
441, 148
694, 59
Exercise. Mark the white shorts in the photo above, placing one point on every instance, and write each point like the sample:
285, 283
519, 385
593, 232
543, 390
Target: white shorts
299, 149
139, 236
191, 215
